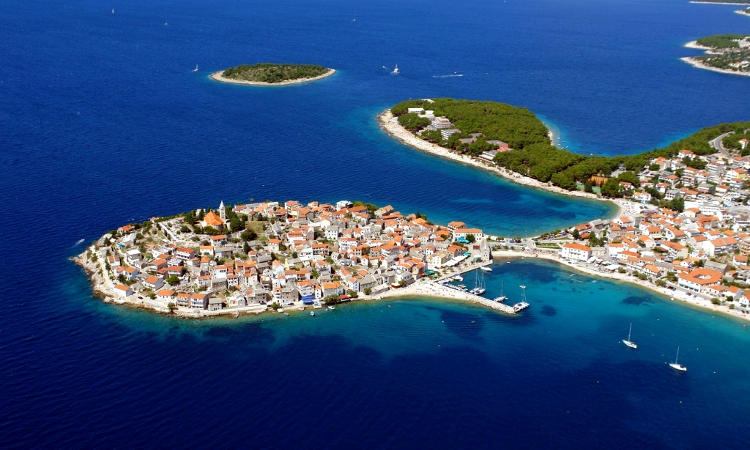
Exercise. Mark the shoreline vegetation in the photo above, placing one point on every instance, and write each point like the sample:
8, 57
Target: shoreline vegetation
723, 53
512, 143
267, 74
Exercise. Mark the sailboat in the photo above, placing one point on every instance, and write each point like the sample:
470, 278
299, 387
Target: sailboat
628, 342
677, 366
395, 70
196, 68
523, 304
479, 288
502, 297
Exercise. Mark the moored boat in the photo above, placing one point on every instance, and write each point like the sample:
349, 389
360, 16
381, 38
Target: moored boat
523, 304
628, 342
677, 366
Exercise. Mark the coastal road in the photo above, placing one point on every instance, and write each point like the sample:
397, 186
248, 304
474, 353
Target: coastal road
718, 144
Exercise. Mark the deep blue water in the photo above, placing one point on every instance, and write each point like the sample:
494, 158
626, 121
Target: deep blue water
103, 122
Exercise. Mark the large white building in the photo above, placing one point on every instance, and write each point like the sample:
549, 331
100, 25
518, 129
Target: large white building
574, 250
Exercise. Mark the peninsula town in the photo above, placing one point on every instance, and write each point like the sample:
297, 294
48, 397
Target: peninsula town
681, 229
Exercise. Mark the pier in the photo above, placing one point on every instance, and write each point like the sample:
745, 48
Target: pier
435, 289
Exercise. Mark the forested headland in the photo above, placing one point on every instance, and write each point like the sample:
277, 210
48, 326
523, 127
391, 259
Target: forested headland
531, 152
722, 41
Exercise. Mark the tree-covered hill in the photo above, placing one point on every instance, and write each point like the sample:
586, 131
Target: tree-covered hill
518, 127
274, 73
722, 40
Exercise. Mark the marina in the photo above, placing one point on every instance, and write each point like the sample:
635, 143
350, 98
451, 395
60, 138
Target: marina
447, 288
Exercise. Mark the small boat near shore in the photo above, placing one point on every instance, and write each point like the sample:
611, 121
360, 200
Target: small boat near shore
331, 308
312, 313
486, 269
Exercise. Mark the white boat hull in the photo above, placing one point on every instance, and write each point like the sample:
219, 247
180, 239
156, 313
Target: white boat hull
678, 367
630, 344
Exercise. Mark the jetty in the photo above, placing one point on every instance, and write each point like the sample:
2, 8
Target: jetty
435, 289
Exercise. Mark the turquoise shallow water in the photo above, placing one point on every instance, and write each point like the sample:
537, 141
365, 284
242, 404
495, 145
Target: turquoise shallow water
557, 375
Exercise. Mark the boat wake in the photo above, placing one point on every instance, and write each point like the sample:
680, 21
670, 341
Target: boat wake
450, 75
78, 242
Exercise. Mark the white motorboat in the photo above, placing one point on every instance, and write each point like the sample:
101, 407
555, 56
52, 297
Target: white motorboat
395, 70
486, 269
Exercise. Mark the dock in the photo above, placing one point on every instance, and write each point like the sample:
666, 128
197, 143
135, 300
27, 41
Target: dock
435, 289
445, 291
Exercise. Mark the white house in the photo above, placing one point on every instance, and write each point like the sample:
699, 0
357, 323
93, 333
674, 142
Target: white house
123, 291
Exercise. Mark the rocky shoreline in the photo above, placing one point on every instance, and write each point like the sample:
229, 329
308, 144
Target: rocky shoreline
699, 65
218, 76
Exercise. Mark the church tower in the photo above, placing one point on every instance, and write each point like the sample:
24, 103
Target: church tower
222, 211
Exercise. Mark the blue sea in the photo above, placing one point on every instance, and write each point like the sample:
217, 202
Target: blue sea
104, 122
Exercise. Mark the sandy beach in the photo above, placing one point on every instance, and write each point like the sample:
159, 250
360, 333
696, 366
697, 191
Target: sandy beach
393, 128
699, 65
217, 76
672, 295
